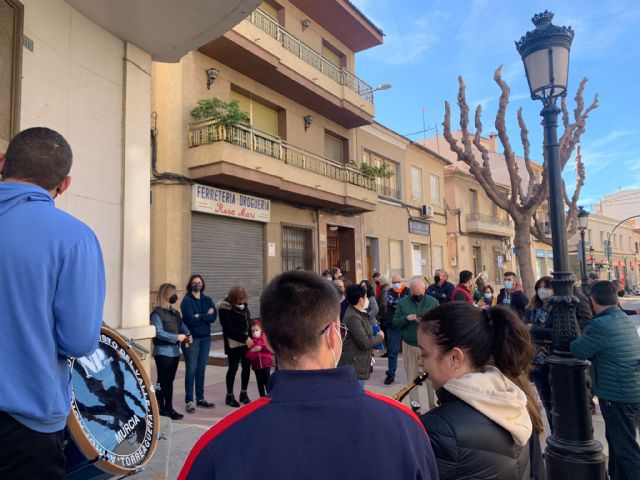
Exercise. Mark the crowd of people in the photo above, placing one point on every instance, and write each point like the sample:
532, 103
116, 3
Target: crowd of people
481, 353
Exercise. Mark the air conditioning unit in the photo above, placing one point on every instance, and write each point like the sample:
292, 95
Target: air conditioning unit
427, 210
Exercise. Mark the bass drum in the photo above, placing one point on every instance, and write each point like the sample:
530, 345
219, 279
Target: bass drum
113, 425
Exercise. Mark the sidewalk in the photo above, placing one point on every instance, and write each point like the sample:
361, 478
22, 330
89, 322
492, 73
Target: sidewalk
182, 435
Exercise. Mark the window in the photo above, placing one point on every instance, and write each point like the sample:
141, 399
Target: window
494, 210
334, 147
416, 183
474, 201
387, 187
396, 263
261, 116
438, 257
297, 248
269, 10
434, 189
602, 238
329, 52
589, 235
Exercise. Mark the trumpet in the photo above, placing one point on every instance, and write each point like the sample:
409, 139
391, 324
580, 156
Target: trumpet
422, 376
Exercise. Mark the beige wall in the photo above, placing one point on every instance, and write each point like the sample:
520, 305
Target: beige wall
95, 90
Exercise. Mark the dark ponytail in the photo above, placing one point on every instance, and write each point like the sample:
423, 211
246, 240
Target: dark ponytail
495, 336
512, 351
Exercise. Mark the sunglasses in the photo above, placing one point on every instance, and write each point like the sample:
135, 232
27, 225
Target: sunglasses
343, 330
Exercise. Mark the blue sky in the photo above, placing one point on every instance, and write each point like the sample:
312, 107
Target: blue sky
428, 43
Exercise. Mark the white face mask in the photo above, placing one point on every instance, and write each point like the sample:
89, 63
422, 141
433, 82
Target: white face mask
240, 307
397, 286
366, 303
545, 293
255, 334
333, 328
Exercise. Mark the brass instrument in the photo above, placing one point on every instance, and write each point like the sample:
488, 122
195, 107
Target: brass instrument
422, 376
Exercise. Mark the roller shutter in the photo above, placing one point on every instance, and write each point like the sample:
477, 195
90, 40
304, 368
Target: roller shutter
226, 251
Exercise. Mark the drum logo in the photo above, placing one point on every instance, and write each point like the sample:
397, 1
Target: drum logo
112, 405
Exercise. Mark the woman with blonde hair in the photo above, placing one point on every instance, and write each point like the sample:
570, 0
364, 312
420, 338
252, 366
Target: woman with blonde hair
235, 319
170, 332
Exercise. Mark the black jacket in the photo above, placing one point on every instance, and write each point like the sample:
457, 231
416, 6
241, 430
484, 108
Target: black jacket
235, 323
518, 299
191, 306
468, 445
442, 293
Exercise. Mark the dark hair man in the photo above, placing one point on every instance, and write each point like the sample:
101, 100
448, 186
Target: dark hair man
317, 417
513, 294
612, 344
51, 302
441, 289
462, 293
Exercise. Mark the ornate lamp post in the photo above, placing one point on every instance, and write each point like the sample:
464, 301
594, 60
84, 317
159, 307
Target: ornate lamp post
583, 222
571, 451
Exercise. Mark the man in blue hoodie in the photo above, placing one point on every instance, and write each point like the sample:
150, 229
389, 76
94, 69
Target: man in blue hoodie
51, 300
317, 422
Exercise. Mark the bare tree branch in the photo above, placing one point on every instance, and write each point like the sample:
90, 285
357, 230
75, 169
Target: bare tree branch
524, 137
537, 230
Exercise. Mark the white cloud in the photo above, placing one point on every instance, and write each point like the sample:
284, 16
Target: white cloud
483, 102
610, 137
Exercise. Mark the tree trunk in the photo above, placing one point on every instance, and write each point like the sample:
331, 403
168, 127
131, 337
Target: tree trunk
522, 242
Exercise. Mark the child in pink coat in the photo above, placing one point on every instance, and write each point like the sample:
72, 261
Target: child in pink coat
261, 357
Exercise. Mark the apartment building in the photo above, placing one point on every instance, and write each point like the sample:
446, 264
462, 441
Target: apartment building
480, 235
625, 247
280, 192
406, 234
84, 69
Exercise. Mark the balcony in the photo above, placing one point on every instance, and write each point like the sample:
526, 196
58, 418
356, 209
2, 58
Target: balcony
486, 224
261, 49
389, 192
246, 159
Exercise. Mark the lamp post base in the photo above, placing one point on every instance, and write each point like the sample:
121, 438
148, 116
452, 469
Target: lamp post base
572, 453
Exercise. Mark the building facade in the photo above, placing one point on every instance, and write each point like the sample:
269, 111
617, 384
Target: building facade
81, 69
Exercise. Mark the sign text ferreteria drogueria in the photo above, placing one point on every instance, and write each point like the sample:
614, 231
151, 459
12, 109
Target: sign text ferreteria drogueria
230, 204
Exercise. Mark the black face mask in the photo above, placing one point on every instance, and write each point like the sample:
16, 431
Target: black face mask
621, 293
417, 298
173, 299
436, 278
196, 287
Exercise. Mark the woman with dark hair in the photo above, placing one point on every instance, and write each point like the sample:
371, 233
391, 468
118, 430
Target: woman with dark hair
487, 425
235, 319
539, 322
199, 312
170, 331
358, 345
372, 309
488, 300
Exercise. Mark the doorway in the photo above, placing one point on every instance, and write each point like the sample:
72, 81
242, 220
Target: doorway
477, 260
372, 252
341, 250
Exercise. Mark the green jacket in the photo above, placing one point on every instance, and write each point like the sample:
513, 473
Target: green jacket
406, 307
612, 344
357, 347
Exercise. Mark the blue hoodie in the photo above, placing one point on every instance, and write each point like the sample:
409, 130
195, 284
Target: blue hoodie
52, 291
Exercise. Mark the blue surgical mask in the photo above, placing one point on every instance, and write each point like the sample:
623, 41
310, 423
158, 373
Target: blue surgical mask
196, 287
397, 286
488, 296
508, 284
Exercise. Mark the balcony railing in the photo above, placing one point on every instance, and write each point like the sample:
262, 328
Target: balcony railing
389, 192
202, 133
478, 217
307, 54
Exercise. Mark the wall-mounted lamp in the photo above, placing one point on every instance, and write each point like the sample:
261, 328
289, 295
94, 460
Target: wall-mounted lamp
305, 23
333, 228
212, 74
308, 120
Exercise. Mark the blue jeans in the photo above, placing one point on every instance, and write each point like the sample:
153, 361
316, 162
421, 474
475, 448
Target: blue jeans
620, 422
195, 358
394, 342
540, 377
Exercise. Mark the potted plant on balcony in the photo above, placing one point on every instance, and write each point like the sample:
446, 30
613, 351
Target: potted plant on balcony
220, 114
373, 171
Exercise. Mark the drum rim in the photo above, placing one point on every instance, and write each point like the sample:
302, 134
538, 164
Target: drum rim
82, 441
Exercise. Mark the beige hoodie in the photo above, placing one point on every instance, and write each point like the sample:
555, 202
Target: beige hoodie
496, 397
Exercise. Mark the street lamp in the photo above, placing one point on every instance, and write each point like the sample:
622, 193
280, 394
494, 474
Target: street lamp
583, 222
571, 450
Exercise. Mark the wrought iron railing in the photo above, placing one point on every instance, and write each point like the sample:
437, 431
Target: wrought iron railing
478, 217
202, 133
389, 192
342, 76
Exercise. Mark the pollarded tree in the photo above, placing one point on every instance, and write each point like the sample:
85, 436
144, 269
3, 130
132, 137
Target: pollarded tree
524, 198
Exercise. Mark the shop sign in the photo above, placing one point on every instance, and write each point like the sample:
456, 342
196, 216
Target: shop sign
418, 227
230, 204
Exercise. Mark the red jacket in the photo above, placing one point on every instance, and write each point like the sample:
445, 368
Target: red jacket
263, 358
461, 289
